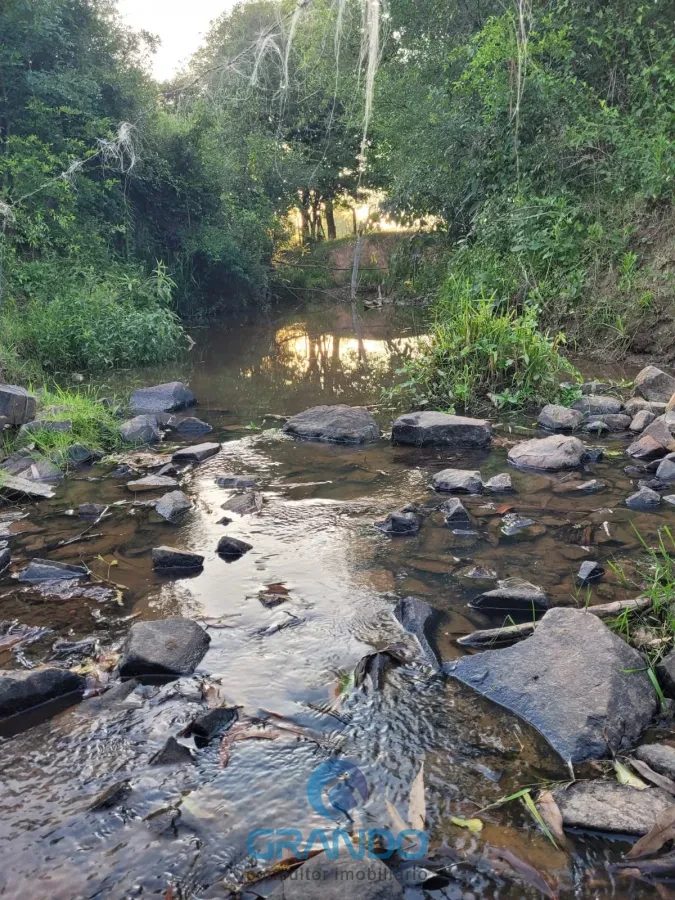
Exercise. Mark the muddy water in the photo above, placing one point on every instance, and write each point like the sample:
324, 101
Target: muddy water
188, 826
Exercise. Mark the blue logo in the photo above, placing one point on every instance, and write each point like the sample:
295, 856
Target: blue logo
339, 783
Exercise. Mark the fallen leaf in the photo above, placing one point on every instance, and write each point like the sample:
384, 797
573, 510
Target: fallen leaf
663, 831
474, 825
661, 867
531, 875
659, 780
550, 813
396, 818
277, 589
505, 508
625, 776
417, 808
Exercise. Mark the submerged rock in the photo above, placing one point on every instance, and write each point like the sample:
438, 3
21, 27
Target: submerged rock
172, 754
17, 405
244, 504
167, 647
455, 512
579, 487
141, 430
499, 484
170, 558
152, 483
232, 548
237, 482
654, 384
590, 571
610, 806
552, 454
172, 506
415, 616
582, 687
162, 398
402, 522
641, 420
214, 722
14, 486
560, 418
644, 499
41, 570
457, 481
513, 524
196, 453
91, 510
515, 595
321, 878
337, 424
190, 426
661, 758
21, 690
424, 429
598, 405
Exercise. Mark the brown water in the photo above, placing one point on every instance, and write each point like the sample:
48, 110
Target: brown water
188, 826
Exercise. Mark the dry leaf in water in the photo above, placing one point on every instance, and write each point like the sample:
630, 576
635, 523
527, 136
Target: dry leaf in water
417, 808
663, 831
529, 874
474, 825
550, 813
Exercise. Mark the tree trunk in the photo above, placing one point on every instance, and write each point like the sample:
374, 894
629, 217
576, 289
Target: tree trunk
354, 228
330, 220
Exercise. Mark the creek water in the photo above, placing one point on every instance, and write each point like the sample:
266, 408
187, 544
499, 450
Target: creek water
187, 827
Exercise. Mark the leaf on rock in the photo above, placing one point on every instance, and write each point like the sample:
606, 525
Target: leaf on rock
647, 772
662, 832
625, 776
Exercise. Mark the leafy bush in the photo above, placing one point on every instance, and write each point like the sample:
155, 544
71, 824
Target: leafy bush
478, 349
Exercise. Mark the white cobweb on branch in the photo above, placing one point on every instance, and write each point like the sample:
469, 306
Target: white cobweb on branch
120, 151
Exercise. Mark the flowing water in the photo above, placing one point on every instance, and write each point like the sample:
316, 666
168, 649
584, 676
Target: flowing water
188, 826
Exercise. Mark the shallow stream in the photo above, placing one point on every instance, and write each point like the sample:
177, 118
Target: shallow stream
187, 827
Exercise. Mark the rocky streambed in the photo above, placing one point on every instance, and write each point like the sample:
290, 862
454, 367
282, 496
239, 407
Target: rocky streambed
213, 616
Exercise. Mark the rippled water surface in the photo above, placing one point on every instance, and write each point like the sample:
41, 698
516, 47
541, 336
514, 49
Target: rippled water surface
187, 826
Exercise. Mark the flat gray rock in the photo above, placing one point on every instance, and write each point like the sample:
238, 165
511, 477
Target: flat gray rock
641, 420
654, 384
598, 404
499, 484
515, 595
401, 522
337, 424
41, 570
610, 806
142, 429
245, 504
166, 647
661, 757
196, 453
237, 482
643, 500
423, 429
17, 405
59, 426
581, 686
589, 571
165, 398
343, 878
169, 558
172, 506
457, 481
552, 454
560, 418
14, 486
152, 483
190, 426
20, 690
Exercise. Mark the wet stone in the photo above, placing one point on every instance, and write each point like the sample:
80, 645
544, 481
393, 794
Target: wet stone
597, 427
455, 513
598, 405
614, 422
661, 758
172, 754
416, 616
655, 384
244, 504
646, 447
5, 556
91, 510
589, 571
237, 482
515, 595
13, 486
400, 523
152, 483
232, 548
579, 487
499, 484
21, 690
478, 573
141, 430
660, 430
335, 424
214, 722
553, 454
669, 499
457, 481
196, 453
425, 429
168, 558
644, 499
545, 680
172, 506
560, 418
636, 404
190, 426
641, 420
610, 806
513, 524
167, 648
42, 570
169, 397
666, 469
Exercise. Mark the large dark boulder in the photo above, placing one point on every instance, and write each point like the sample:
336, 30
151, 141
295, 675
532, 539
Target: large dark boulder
171, 559
513, 595
173, 506
20, 691
337, 424
551, 454
653, 384
166, 648
321, 878
401, 522
232, 548
162, 398
423, 429
17, 406
580, 685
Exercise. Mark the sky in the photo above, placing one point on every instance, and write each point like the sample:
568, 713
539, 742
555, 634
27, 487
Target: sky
180, 25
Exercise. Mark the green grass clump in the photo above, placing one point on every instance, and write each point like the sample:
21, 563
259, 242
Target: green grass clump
93, 424
479, 349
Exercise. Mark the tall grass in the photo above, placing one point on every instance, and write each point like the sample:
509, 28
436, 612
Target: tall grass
479, 349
